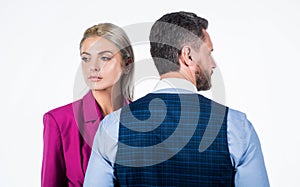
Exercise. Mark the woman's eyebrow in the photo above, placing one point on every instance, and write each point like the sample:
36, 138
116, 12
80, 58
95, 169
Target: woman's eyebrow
102, 52
85, 53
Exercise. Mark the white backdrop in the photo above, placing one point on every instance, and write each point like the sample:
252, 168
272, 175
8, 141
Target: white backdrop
255, 42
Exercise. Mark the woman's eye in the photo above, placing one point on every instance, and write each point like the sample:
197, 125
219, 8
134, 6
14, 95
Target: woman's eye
84, 59
104, 58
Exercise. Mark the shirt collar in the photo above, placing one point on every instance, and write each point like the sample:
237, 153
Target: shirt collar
174, 85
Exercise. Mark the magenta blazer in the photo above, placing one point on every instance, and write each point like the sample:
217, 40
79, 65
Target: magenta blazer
68, 136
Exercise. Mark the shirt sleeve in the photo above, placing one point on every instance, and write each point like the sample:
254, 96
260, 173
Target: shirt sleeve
100, 170
245, 151
53, 165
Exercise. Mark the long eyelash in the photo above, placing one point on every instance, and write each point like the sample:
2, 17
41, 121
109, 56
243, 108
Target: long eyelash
84, 59
106, 58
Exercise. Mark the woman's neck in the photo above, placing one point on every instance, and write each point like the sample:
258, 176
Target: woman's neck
107, 101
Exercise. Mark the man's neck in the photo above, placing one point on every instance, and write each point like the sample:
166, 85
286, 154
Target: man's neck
173, 75
178, 74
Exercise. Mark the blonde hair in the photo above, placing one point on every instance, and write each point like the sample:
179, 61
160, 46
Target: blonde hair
119, 38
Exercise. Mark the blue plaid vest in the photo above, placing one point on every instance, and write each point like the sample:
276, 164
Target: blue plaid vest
173, 140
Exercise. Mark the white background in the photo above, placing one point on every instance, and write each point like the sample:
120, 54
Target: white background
256, 48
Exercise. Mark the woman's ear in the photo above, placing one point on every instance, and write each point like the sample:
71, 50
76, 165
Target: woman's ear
128, 64
128, 61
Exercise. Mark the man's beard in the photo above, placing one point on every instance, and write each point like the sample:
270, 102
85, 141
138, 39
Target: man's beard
203, 80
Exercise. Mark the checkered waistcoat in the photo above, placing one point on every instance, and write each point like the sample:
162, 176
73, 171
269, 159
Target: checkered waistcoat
173, 140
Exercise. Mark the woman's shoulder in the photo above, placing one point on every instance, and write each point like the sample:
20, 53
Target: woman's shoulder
65, 112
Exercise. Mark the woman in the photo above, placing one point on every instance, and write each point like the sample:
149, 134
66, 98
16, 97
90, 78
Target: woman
107, 64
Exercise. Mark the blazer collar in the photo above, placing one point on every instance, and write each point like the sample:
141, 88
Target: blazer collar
91, 109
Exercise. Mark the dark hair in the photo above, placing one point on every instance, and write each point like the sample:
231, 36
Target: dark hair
170, 33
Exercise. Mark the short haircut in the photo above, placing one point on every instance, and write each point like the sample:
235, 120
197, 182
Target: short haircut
170, 33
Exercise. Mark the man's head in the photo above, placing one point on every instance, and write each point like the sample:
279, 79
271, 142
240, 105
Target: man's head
179, 43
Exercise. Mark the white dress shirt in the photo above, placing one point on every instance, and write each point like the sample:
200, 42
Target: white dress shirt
243, 143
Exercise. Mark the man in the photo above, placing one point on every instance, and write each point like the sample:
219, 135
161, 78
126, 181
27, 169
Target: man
174, 136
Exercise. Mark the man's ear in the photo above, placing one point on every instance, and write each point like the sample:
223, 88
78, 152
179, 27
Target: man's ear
185, 55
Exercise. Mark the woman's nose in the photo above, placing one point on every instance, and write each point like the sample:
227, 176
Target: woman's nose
94, 68
96, 65
213, 63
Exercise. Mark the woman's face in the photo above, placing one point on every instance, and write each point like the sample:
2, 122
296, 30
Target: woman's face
101, 63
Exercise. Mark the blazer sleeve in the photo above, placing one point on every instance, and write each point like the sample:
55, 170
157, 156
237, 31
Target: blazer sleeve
53, 165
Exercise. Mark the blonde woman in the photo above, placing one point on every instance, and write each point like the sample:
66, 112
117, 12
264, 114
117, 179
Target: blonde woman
107, 64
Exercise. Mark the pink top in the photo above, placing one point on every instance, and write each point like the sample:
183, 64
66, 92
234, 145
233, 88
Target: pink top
68, 135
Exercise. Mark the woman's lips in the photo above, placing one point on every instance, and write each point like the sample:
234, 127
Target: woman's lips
94, 78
